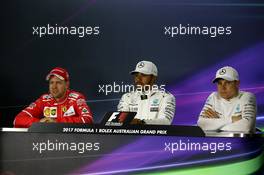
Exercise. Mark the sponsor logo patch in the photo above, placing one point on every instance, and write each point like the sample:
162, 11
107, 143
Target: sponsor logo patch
85, 111
154, 109
74, 95
53, 112
46, 97
69, 112
81, 102
46, 112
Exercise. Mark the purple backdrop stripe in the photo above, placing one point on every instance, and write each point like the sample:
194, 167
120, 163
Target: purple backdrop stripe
192, 93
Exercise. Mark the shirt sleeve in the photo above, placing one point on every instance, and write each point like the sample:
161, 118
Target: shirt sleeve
29, 115
211, 124
123, 104
84, 114
249, 110
166, 112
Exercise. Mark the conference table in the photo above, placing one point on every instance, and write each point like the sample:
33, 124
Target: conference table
95, 149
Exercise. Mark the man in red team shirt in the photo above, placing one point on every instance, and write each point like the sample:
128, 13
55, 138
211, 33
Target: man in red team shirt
61, 105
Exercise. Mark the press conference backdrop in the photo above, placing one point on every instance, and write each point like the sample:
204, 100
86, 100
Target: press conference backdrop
99, 42
187, 40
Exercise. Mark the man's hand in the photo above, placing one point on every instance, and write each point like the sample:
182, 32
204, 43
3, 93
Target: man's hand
209, 113
47, 120
136, 121
236, 118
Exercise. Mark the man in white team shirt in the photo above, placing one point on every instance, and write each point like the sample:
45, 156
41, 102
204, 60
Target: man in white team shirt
153, 106
228, 109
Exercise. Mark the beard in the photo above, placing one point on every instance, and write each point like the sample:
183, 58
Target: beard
57, 94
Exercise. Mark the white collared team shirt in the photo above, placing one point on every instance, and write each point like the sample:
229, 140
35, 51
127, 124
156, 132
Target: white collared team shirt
157, 109
243, 105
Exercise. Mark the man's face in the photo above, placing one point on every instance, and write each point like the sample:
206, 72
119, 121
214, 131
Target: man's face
144, 80
57, 87
227, 89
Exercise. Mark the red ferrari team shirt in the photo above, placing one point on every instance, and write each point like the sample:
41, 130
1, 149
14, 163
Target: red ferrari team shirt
72, 109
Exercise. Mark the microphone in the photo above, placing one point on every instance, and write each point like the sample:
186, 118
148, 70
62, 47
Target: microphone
144, 97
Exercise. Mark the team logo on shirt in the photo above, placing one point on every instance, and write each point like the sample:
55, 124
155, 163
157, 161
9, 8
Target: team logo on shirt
154, 106
64, 109
155, 102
